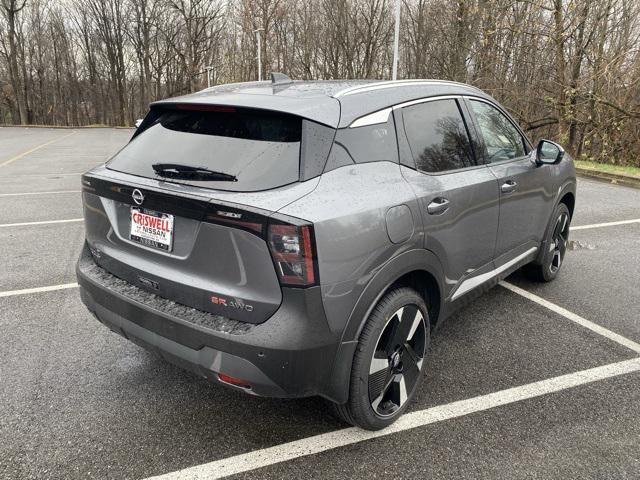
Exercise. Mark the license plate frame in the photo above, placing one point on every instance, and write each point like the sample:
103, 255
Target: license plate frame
151, 228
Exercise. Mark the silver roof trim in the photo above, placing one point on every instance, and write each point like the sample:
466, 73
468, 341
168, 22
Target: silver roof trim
381, 116
213, 88
393, 84
425, 100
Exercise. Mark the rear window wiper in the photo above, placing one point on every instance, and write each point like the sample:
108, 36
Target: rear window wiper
186, 172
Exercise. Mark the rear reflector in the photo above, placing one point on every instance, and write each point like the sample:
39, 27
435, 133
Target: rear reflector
233, 381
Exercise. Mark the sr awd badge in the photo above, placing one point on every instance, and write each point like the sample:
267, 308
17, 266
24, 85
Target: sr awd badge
236, 303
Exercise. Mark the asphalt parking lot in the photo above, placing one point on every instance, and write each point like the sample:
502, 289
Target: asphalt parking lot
529, 381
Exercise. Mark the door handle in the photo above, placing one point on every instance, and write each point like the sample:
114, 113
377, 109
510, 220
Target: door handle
438, 206
509, 186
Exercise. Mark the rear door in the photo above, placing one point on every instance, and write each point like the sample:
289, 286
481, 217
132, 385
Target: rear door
525, 195
458, 198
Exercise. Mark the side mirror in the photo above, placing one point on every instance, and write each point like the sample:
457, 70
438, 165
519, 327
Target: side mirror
548, 152
138, 122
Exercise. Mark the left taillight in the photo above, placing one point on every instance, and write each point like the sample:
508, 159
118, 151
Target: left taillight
293, 250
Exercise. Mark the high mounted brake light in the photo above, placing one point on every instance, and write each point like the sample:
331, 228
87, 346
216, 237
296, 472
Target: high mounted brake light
199, 107
293, 250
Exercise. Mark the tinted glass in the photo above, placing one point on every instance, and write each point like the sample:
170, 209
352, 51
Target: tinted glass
261, 149
437, 136
502, 140
370, 143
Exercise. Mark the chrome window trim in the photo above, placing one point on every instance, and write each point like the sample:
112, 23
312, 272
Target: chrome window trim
425, 100
375, 118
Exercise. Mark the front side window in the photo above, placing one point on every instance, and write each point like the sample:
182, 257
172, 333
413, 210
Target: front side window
437, 136
502, 140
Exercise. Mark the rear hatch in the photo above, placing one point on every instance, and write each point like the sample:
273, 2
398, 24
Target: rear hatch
187, 209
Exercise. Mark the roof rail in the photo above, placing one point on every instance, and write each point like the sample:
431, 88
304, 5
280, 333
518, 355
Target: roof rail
280, 79
213, 88
393, 83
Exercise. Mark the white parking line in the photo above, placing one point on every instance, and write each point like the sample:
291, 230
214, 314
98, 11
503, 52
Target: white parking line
594, 327
46, 174
37, 193
25, 291
607, 224
340, 438
24, 224
17, 157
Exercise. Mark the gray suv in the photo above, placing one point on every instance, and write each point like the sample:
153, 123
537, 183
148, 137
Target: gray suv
291, 239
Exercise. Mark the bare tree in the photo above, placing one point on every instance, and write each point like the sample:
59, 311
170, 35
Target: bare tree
200, 26
10, 10
567, 69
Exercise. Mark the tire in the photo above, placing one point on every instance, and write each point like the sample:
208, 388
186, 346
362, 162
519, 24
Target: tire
555, 247
388, 366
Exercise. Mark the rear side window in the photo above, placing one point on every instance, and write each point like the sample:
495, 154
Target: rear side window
261, 149
437, 136
369, 143
501, 139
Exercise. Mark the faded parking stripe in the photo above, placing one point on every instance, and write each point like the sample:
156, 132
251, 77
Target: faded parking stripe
606, 224
37, 193
46, 222
26, 291
23, 154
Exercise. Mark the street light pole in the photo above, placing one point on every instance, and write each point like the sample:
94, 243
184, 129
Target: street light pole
209, 69
257, 31
396, 35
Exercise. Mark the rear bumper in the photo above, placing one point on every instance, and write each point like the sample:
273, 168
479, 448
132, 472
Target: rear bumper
290, 355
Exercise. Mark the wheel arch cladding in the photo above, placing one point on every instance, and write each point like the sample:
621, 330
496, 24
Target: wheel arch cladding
406, 269
419, 269
566, 195
569, 199
425, 283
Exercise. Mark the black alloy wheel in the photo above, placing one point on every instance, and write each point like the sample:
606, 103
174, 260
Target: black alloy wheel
389, 362
559, 240
547, 267
396, 363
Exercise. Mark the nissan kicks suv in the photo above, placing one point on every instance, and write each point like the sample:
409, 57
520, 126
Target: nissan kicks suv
292, 239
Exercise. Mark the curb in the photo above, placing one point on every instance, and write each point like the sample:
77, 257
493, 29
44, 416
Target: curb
66, 127
614, 178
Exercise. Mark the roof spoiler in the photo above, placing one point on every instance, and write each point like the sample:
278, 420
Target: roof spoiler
280, 79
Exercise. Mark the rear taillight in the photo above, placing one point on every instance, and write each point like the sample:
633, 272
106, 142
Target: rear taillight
293, 251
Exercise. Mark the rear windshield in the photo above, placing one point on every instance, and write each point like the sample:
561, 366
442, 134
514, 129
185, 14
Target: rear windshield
261, 149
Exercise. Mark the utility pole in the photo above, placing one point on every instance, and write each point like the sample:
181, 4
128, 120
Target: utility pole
396, 35
257, 32
209, 70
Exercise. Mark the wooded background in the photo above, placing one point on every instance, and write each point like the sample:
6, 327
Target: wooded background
567, 69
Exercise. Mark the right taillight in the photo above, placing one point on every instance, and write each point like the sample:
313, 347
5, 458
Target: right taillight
293, 251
